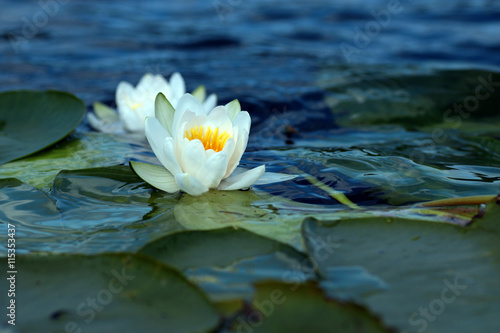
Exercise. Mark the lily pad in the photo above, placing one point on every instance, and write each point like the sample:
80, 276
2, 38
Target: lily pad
225, 262
439, 277
101, 209
31, 121
109, 206
252, 210
280, 307
104, 293
33, 213
78, 151
193, 249
22, 204
380, 96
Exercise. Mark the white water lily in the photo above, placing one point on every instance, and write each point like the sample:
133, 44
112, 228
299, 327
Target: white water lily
199, 150
135, 104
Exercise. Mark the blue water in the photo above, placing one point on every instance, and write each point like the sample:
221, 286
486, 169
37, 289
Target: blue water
313, 66
346, 91
267, 53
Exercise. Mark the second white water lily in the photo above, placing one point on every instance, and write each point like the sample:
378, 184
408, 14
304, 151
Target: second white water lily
199, 150
135, 104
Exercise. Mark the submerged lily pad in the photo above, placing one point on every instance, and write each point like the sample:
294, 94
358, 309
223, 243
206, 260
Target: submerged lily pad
109, 206
22, 204
280, 307
31, 121
193, 249
107, 293
225, 262
252, 210
439, 277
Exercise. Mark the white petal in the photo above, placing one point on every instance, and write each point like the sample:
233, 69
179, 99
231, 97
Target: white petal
145, 82
210, 102
150, 85
229, 150
103, 126
95, 122
192, 157
242, 180
239, 149
171, 162
194, 120
177, 85
156, 135
242, 121
164, 112
124, 90
180, 141
156, 176
190, 184
150, 82
131, 121
218, 118
212, 171
233, 109
229, 147
274, 177
200, 93
187, 103
159, 84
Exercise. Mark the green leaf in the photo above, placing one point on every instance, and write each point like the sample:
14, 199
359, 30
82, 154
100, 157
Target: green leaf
489, 219
233, 108
77, 152
280, 218
156, 176
104, 293
222, 247
25, 205
225, 262
107, 206
102, 188
105, 113
252, 210
280, 307
439, 277
382, 95
31, 121
200, 93
97, 210
164, 112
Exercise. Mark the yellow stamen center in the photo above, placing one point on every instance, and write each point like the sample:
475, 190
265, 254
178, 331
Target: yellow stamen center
135, 106
210, 139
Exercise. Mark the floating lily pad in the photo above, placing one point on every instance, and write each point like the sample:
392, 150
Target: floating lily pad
194, 249
107, 293
79, 151
252, 210
33, 213
111, 205
101, 209
225, 262
31, 121
280, 307
379, 96
439, 277
22, 204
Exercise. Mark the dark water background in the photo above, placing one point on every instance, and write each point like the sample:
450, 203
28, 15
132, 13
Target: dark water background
269, 52
285, 61
361, 123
